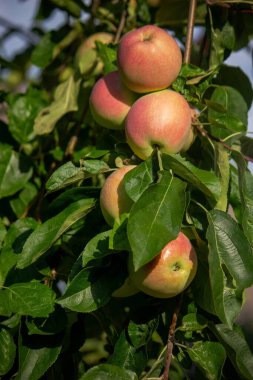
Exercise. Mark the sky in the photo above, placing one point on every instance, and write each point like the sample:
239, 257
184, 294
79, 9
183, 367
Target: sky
21, 12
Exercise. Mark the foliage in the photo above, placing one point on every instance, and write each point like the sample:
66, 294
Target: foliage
59, 261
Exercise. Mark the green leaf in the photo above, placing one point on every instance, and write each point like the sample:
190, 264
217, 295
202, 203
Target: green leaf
205, 181
13, 244
137, 180
22, 110
32, 298
68, 173
223, 171
96, 248
45, 235
140, 333
127, 356
37, 355
5, 309
209, 357
65, 101
53, 324
230, 264
15, 171
91, 289
118, 237
42, 55
108, 372
70, 6
25, 197
155, 219
234, 117
7, 351
246, 194
237, 349
108, 55
193, 322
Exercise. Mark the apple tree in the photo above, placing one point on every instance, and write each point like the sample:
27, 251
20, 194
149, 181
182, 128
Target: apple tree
63, 260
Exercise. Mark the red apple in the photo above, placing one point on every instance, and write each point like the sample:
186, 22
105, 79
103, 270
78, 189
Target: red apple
110, 101
161, 119
170, 272
114, 200
149, 59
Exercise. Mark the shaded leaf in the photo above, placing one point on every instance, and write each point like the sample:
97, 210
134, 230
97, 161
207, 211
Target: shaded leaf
15, 171
193, 322
7, 351
97, 247
230, 264
140, 333
118, 237
137, 180
65, 101
45, 235
42, 55
155, 219
205, 181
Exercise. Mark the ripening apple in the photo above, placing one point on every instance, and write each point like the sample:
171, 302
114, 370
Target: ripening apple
127, 289
87, 56
114, 199
149, 59
170, 272
160, 119
110, 101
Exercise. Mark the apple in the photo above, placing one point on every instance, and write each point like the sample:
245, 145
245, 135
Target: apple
160, 119
86, 56
126, 290
114, 200
149, 59
170, 272
110, 101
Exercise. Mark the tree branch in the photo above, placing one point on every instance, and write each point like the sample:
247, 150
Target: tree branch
191, 20
171, 339
121, 25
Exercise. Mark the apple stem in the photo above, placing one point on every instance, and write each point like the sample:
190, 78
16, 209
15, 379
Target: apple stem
171, 339
190, 26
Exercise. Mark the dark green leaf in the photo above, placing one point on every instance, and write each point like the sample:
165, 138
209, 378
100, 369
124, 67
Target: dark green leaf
155, 219
45, 235
5, 309
246, 195
22, 110
140, 334
108, 372
234, 119
65, 101
230, 264
137, 180
37, 355
209, 357
15, 171
42, 55
25, 197
32, 298
91, 289
54, 324
7, 351
97, 247
127, 356
205, 181
13, 244
237, 349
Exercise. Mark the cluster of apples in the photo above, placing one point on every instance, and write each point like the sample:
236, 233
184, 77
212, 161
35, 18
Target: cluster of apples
136, 98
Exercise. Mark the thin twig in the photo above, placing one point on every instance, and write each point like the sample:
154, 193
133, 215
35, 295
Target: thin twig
190, 26
171, 339
121, 25
204, 133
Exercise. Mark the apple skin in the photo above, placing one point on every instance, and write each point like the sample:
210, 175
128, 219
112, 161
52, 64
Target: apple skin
170, 272
149, 59
110, 101
114, 200
127, 289
161, 119
89, 45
